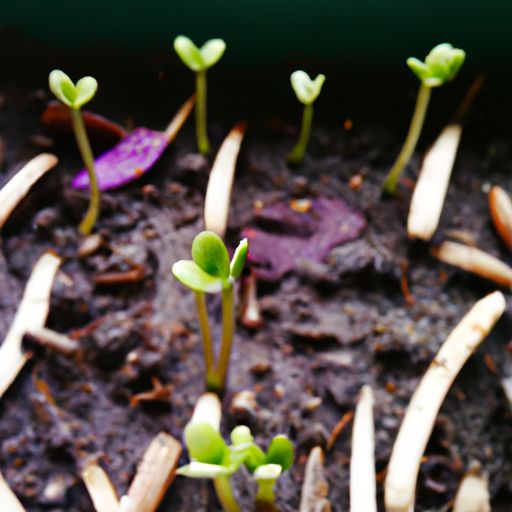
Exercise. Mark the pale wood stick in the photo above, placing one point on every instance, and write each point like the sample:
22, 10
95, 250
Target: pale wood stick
154, 475
473, 494
179, 119
432, 184
220, 183
50, 338
500, 207
8, 500
32, 313
315, 487
19, 185
363, 496
100, 488
426, 401
474, 260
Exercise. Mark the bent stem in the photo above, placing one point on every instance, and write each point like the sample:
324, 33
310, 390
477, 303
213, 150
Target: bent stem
225, 494
412, 138
88, 222
206, 337
297, 153
203, 142
265, 497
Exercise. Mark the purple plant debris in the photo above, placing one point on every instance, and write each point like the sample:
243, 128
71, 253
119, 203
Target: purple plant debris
287, 236
127, 161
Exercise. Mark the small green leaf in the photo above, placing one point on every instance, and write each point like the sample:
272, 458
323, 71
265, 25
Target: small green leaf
268, 472
201, 470
241, 435
189, 53
74, 96
204, 443
238, 260
192, 276
307, 90
212, 51
210, 254
280, 452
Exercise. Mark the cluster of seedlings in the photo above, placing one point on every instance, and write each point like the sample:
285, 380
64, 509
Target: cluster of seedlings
212, 271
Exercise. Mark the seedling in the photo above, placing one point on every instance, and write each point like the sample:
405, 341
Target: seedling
210, 271
75, 96
211, 457
307, 92
441, 65
199, 60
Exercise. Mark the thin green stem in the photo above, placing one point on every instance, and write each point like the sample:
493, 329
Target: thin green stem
88, 222
203, 142
225, 494
205, 335
412, 138
265, 497
297, 153
228, 329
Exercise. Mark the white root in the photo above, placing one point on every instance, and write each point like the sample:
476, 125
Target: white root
100, 488
363, 496
31, 314
473, 494
50, 338
19, 185
426, 401
8, 500
179, 119
315, 487
220, 183
476, 261
154, 475
500, 207
430, 191
208, 409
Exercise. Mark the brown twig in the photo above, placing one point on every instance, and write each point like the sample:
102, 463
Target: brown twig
338, 428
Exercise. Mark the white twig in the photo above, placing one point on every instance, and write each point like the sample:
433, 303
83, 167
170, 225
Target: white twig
500, 207
8, 500
427, 399
362, 462
100, 488
31, 313
430, 191
473, 494
19, 185
315, 487
50, 338
476, 261
179, 119
220, 183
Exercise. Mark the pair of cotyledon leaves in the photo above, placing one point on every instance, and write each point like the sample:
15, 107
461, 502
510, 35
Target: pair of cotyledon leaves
441, 65
210, 270
72, 95
211, 457
307, 90
199, 59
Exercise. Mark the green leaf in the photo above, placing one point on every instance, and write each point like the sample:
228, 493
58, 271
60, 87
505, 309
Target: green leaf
201, 470
74, 96
192, 276
204, 443
212, 51
211, 255
280, 452
307, 90
241, 435
238, 260
189, 53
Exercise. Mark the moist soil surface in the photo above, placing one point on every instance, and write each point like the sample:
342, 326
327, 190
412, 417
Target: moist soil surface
328, 328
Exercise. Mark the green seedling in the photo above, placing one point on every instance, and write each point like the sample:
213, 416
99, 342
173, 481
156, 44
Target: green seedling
211, 457
210, 271
441, 65
307, 92
75, 96
199, 60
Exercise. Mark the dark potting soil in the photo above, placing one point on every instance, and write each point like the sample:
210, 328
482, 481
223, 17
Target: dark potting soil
328, 327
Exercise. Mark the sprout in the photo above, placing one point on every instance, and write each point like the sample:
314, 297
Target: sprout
307, 92
211, 457
440, 66
75, 96
210, 271
199, 60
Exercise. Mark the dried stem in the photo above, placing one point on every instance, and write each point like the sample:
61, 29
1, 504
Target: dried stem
100, 489
179, 119
8, 500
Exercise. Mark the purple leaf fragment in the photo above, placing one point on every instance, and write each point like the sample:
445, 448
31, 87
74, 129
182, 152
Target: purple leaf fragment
286, 236
127, 161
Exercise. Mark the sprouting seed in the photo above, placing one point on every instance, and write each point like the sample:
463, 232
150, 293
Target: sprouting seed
441, 65
199, 60
307, 92
75, 96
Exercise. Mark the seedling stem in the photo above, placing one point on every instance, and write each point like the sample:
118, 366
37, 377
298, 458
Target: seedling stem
228, 328
225, 494
205, 334
201, 130
297, 153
